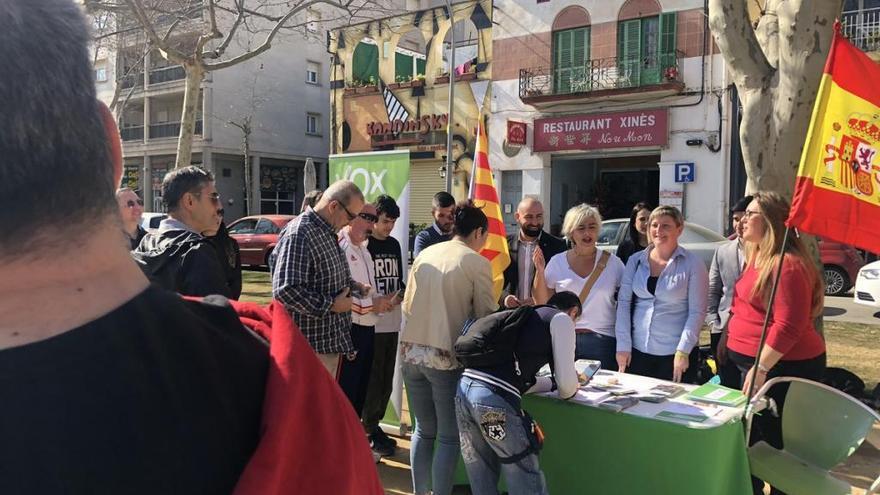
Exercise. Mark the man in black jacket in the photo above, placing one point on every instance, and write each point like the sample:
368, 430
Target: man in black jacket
520, 274
178, 257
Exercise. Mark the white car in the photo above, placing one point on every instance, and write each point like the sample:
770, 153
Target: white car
695, 238
150, 221
868, 285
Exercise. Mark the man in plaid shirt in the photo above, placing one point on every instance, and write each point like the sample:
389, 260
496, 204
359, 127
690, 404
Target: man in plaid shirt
312, 278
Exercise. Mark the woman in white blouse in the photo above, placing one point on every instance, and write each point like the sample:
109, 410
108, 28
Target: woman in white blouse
592, 274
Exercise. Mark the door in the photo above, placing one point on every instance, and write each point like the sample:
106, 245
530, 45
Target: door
646, 49
511, 194
243, 233
620, 189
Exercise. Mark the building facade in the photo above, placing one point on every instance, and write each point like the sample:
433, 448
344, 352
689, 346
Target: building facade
390, 90
610, 102
273, 106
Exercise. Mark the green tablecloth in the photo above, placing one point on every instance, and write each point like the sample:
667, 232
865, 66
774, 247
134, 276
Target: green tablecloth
591, 450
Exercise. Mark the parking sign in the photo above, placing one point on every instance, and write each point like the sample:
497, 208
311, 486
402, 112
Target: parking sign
684, 172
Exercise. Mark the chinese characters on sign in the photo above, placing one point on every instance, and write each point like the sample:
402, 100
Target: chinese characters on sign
601, 131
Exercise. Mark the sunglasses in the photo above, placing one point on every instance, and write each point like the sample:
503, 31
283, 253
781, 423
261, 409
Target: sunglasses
214, 196
369, 217
131, 203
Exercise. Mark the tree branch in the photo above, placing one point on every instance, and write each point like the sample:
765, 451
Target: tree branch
221, 49
267, 43
160, 44
729, 21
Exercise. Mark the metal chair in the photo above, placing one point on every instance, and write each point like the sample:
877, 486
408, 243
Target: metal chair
821, 427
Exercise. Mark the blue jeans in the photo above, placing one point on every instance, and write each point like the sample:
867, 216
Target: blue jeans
492, 428
597, 347
431, 396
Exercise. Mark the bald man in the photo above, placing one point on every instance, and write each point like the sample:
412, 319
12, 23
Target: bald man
520, 274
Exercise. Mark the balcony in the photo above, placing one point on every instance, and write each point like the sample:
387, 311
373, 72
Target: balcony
166, 74
658, 75
132, 80
132, 133
862, 28
170, 129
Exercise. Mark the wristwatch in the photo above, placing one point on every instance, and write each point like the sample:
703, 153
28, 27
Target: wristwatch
762, 368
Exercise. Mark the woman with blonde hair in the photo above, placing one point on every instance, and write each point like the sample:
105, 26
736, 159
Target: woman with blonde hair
662, 303
593, 275
792, 347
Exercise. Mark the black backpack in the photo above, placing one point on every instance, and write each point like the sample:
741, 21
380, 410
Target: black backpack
491, 340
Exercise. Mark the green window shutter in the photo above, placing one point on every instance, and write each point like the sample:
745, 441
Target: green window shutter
629, 39
562, 59
580, 46
420, 66
667, 40
403, 67
366, 62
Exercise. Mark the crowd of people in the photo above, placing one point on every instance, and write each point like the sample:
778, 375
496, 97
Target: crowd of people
130, 382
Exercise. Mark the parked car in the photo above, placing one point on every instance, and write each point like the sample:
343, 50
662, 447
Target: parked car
841, 265
695, 238
868, 285
150, 221
257, 236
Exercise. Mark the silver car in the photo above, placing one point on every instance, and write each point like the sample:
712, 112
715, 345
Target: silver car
695, 238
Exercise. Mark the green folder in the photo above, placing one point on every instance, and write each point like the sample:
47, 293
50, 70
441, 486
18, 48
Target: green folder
717, 394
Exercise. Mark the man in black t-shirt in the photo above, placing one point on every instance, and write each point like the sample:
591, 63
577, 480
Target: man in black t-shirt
107, 385
388, 270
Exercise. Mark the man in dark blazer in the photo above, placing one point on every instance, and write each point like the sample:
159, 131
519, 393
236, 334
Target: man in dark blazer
520, 274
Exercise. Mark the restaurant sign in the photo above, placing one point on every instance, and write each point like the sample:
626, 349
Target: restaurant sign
598, 131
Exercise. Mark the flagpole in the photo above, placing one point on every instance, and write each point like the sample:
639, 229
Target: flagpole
767, 316
449, 162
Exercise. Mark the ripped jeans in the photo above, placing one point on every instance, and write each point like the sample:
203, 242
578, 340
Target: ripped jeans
492, 429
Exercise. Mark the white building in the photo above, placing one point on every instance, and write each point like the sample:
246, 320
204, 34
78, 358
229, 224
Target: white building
284, 93
614, 94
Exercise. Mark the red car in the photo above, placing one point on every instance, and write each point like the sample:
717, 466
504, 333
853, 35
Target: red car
842, 264
256, 237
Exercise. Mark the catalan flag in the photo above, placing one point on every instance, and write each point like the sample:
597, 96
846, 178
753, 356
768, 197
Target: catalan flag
837, 193
485, 196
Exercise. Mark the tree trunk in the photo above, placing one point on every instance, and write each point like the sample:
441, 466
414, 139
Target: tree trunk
193, 81
246, 144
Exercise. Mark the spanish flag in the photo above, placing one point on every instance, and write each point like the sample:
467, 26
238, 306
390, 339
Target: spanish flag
837, 193
485, 196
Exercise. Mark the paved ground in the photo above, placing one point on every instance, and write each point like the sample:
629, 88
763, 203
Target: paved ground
842, 308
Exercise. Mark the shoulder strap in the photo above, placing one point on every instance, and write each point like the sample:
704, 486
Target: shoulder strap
600, 267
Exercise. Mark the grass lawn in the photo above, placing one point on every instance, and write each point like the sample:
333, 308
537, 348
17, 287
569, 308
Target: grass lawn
256, 287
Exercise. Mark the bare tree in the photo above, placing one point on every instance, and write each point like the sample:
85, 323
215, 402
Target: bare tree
776, 66
228, 32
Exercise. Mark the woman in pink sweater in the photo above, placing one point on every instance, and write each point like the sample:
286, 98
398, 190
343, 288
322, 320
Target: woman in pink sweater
793, 346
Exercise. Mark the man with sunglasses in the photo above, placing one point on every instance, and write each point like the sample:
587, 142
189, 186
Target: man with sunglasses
312, 278
130, 208
366, 306
178, 257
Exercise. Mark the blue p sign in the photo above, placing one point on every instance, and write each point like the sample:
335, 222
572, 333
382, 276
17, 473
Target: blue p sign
684, 172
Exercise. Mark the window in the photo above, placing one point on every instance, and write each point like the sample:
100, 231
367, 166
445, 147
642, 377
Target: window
243, 227
646, 49
312, 70
266, 227
101, 74
571, 56
313, 124
610, 232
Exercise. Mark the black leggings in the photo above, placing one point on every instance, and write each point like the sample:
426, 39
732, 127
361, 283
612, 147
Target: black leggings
766, 427
661, 367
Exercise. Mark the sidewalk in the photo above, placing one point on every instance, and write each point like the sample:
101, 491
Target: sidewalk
843, 309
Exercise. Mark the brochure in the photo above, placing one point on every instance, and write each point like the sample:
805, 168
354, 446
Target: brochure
717, 394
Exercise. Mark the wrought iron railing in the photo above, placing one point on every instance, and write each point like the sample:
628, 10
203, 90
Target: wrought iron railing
601, 74
165, 74
862, 28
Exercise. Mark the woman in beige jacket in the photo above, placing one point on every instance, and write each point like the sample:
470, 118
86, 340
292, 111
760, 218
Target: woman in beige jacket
448, 284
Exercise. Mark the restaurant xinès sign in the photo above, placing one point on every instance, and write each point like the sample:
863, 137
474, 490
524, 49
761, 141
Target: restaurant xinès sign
602, 130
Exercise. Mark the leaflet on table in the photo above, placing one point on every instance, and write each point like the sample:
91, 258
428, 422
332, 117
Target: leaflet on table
660, 393
717, 394
693, 413
587, 367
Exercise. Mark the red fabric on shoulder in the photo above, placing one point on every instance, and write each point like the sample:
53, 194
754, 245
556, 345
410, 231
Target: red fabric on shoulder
312, 441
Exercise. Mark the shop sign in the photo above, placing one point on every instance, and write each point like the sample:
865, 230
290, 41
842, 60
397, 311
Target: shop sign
516, 133
639, 128
421, 126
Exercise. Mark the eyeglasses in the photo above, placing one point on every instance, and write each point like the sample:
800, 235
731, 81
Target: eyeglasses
214, 196
351, 216
368, 217
748, 214
131, 203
